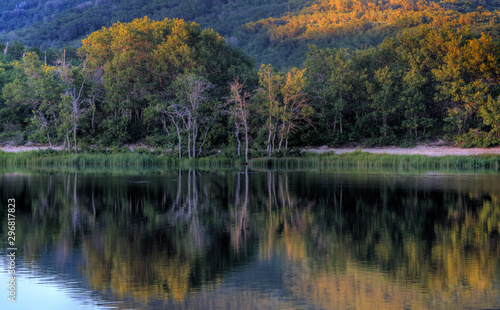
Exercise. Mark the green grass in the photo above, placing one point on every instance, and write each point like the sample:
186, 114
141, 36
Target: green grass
109, 160
364, 160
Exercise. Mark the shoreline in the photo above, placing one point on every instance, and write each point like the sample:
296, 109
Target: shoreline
429, 157
428, 150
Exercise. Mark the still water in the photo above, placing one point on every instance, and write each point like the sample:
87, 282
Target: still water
251, 240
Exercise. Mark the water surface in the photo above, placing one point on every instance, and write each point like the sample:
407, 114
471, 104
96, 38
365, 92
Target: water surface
252, 240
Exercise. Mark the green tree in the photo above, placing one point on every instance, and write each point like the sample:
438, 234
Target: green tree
12, 117
141, 59
284, 104
295, 107
490, 113
330, 82
384, 104
413, 104
468, 74
37, 91
270, 81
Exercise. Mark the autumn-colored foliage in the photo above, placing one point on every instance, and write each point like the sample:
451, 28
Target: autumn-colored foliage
434, 74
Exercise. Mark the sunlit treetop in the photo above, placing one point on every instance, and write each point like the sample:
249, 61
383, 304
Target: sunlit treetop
145, 56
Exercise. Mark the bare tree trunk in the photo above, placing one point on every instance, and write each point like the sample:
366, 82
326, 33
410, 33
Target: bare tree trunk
282, 133
288, 134
190, 202
246, 145
67, 139
236, 203
164, 122
50, 143
238, 187
93, 117
195, 131
74, 137
239, 96
273, 140
245, 123
205, 136
341, 131
269, 143
238, 139
180, 142
178, 129
189, 143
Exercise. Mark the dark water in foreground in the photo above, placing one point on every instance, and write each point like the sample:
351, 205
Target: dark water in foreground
255, 240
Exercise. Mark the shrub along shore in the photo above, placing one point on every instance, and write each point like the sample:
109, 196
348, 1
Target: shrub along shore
329, 161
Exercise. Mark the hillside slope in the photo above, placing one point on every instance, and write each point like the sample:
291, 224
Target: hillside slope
54, 23
276, 32
356, 24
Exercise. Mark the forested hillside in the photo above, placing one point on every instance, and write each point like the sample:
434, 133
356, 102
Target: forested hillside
60, 22
275, 32
356, 24
330, 72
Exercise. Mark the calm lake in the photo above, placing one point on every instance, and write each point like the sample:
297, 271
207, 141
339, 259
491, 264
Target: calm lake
190, 239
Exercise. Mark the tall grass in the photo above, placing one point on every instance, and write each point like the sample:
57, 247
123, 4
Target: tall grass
365, 160
132, 159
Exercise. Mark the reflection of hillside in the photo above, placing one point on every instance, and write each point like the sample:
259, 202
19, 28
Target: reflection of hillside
330, 240
384, 244
168, 260
139, 237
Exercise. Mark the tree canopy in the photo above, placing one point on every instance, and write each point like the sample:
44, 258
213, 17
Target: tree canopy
174, 85
138, 62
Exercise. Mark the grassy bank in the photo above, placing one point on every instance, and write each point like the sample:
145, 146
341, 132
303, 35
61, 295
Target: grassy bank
47, 158
364, 160
326, 161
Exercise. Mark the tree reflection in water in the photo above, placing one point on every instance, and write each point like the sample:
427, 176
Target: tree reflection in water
268, 239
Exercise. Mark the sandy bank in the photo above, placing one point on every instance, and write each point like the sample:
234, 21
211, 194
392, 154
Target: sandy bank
421, 150
22, 148
429, 150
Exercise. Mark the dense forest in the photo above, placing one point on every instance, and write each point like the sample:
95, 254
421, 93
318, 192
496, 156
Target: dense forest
275, 32
365, 71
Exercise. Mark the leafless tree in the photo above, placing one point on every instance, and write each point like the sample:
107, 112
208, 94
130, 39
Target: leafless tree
239, 111
79, 106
